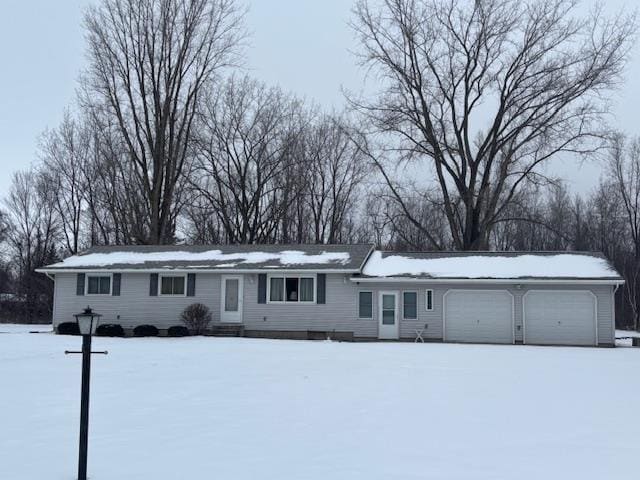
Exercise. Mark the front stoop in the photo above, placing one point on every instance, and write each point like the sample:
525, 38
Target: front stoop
226, 331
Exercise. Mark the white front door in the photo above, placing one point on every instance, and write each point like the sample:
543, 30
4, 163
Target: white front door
231, 299
388, 327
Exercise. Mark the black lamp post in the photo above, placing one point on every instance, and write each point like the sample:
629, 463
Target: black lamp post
87, 323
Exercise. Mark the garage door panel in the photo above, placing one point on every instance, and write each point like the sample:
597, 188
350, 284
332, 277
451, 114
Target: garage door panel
479, 316
559, 318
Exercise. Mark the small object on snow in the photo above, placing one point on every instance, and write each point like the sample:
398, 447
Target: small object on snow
419, 333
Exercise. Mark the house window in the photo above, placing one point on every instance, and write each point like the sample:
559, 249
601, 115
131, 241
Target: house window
276, 289
172, 284
365, 305
292, 289
98, 285
429, 299
410, 305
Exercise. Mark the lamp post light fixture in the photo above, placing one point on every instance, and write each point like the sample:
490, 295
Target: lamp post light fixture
87, 323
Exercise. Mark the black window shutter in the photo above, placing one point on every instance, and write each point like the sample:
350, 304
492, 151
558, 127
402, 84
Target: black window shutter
117, 280
262, 288
153, 284
80, 284
321, 288
191, 285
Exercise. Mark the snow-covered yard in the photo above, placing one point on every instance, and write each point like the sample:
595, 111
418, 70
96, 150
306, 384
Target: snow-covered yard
261, 409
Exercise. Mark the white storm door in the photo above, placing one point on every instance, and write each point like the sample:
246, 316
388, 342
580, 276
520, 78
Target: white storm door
388, 327
231, 299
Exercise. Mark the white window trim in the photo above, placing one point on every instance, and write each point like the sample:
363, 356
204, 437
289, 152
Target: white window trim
162, 275
292, 275
372, 305
404, 317
98, 274
426, 300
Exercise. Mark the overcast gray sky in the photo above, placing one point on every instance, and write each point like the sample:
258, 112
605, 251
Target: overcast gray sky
301, 45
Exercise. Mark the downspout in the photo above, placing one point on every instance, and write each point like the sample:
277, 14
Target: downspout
613, 311
52, 277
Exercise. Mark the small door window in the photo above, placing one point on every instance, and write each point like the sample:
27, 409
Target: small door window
231, 294
388, 309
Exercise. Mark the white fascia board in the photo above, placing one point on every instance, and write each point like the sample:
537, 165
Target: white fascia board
500, 281
191, 270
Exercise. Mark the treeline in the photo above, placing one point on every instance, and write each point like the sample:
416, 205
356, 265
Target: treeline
170, 142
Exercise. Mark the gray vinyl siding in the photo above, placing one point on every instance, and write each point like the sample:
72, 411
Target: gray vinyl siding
339, 313
432, 320
135, 306
428, 321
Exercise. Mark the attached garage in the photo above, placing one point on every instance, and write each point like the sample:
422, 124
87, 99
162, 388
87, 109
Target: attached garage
560, 317
478, 316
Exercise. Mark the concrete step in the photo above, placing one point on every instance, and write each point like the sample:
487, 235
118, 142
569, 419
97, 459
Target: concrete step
226, 330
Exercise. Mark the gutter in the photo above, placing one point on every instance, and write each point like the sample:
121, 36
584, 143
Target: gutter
501, 281
192, 270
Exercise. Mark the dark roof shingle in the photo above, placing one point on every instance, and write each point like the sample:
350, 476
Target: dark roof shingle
219, 257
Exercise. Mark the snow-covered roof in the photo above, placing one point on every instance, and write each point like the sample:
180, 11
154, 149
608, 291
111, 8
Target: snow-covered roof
356, 259
218, 257
490, 265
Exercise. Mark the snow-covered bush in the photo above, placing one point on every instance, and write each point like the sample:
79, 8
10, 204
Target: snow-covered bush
196, 317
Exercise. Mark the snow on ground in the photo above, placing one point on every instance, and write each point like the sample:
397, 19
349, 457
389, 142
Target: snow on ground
232, 408
24, 328
521, 266
623, 337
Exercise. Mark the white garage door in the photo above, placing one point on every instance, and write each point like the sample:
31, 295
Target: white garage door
478, 316
559, 318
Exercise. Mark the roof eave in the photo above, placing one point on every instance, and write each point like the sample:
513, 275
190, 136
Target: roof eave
517, 281
196, 270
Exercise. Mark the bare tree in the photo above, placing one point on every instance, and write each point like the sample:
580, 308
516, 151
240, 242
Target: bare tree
336, 169
32, 238
148, 63
481, 93
624, 173
245, 159
65, 153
